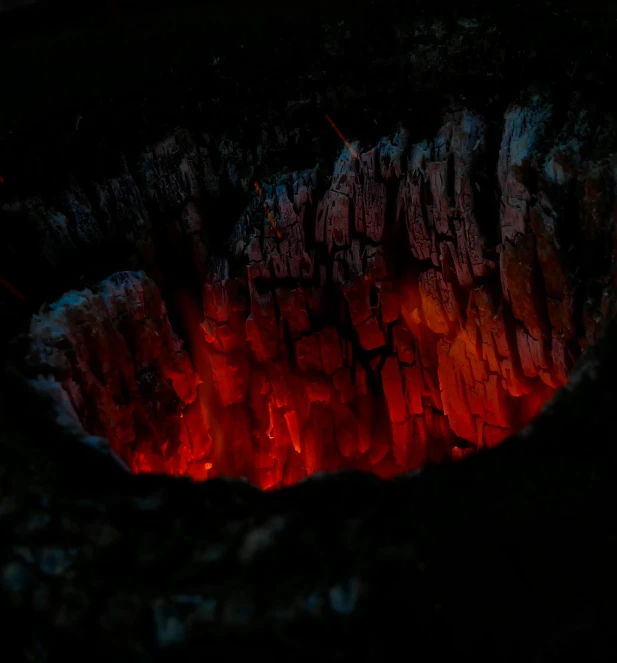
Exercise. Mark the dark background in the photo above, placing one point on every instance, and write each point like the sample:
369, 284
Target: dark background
134, 70
131, 68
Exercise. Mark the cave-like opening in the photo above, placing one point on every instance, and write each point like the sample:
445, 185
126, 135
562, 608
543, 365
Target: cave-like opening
310, 342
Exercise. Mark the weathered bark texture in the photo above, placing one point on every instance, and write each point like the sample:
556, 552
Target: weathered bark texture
425, 302
117, 370
419, 303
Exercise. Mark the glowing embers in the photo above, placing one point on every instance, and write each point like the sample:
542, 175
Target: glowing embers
185, 454
293, 425
283, 397
286, 378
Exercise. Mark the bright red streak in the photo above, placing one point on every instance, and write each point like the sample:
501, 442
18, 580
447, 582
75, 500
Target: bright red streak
10, 288
340, 135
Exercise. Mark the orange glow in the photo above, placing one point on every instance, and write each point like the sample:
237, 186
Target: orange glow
257, 415
340, 135
277, 230
199, 437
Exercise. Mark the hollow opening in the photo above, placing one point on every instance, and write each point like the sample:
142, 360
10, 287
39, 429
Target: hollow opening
286, 354
372, 313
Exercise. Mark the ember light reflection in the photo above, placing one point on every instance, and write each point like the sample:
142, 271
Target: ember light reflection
277, 230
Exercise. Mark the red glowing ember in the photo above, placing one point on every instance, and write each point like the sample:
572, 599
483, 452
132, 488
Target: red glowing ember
340, 135
372, 377
382, 332
276, 419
